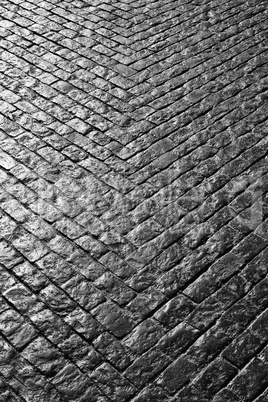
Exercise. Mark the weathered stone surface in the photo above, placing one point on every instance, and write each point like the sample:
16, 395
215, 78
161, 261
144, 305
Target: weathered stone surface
215, 376
113, 384
178, 339
19, 331
6, 279
177, 374
28, 245
57, 300
69, 228
115, 288
119, 355
6, 161
174, 311
113, 318
144, 232
151, 394
116, 265
248, 342
212, 307
226, 395
8, 255
21, 298
251, 379
94, 247
83, 323
10, 321
83, 292
144, 336
54, 267
146, 367
72, 384
144, 303
42, 354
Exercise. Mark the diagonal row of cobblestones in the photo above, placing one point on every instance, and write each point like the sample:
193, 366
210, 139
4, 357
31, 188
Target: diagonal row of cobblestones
133, 201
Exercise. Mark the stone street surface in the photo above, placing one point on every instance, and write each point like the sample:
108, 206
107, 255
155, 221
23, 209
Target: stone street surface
134, 201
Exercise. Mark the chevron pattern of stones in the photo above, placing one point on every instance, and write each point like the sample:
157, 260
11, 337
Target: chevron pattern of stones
133, 188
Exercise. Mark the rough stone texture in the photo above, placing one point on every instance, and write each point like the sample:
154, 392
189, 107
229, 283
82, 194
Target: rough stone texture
133, 201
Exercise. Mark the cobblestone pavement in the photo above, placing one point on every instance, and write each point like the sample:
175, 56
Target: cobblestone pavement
133, 189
